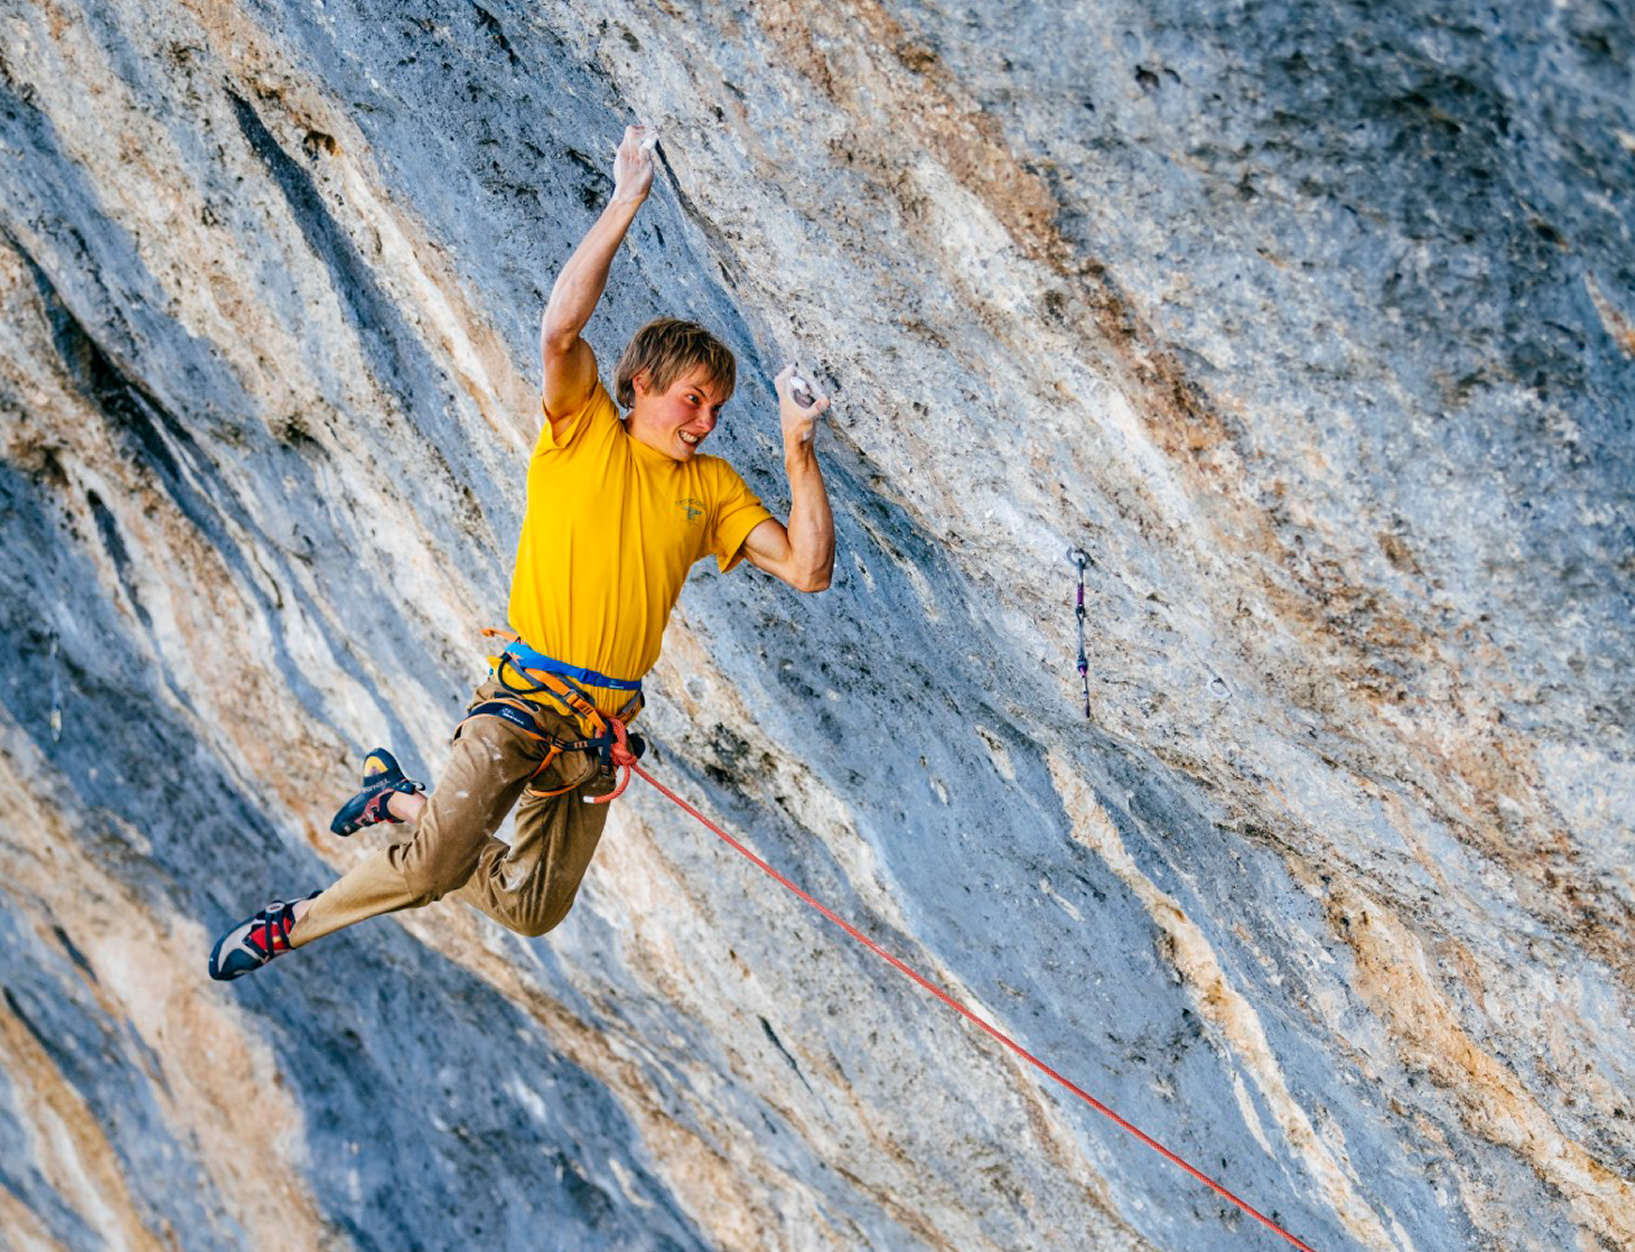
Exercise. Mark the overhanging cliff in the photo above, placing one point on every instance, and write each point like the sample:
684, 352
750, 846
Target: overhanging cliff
1313, 325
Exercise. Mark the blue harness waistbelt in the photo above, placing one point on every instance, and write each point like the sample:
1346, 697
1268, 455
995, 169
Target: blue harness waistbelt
527, 658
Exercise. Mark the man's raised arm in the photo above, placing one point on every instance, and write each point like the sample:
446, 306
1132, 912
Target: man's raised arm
570, 365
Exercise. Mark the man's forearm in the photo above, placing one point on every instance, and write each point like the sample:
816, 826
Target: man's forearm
583, 279
811, 524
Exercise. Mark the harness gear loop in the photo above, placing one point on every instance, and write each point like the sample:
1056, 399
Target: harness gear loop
1081, 558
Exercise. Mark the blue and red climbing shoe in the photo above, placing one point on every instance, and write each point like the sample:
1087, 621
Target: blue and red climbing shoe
381, 778
253, 942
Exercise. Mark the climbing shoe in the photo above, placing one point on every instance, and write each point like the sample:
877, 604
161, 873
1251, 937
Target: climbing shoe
381, 777
253, 942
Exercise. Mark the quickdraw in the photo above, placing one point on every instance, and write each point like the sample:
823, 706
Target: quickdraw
1081, 558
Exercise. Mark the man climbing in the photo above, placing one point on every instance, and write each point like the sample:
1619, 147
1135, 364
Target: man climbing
617, 513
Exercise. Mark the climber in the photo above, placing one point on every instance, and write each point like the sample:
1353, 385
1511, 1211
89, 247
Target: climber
617, 512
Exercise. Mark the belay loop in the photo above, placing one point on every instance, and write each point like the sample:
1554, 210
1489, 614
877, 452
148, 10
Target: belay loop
1081, 558
622, 755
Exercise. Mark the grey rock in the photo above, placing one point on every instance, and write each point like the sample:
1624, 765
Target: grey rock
1312, 325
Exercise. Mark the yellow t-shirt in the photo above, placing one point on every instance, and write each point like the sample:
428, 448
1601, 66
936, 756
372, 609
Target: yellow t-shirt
610, 530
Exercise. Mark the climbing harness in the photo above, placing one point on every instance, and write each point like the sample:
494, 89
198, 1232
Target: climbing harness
1081, 558
531, 674
626, 761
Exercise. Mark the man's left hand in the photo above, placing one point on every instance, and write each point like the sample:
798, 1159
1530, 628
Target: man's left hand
798, 422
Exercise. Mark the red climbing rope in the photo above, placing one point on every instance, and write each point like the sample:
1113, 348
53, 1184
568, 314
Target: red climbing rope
624, 757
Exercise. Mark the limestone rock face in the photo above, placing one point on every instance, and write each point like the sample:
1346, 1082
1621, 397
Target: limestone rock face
1312, 325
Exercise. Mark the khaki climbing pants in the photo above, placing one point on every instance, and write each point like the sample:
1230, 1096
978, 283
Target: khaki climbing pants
528, 885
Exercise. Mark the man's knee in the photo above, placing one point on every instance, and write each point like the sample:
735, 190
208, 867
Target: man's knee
431, 877
542, 921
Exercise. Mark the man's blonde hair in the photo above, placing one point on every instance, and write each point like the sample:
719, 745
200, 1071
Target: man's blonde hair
667, 348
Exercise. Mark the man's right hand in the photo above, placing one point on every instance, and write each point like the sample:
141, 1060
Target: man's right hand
569, 364
633, 164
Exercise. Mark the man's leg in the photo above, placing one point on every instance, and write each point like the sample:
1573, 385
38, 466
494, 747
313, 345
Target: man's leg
529, 886
491, 763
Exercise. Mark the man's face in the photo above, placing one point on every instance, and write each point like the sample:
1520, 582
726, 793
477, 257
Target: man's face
677, 420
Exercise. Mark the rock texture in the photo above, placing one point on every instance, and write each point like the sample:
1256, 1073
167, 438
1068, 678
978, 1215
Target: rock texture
1312, 324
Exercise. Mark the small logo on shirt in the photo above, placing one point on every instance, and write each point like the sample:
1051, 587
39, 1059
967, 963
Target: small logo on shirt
694, 509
